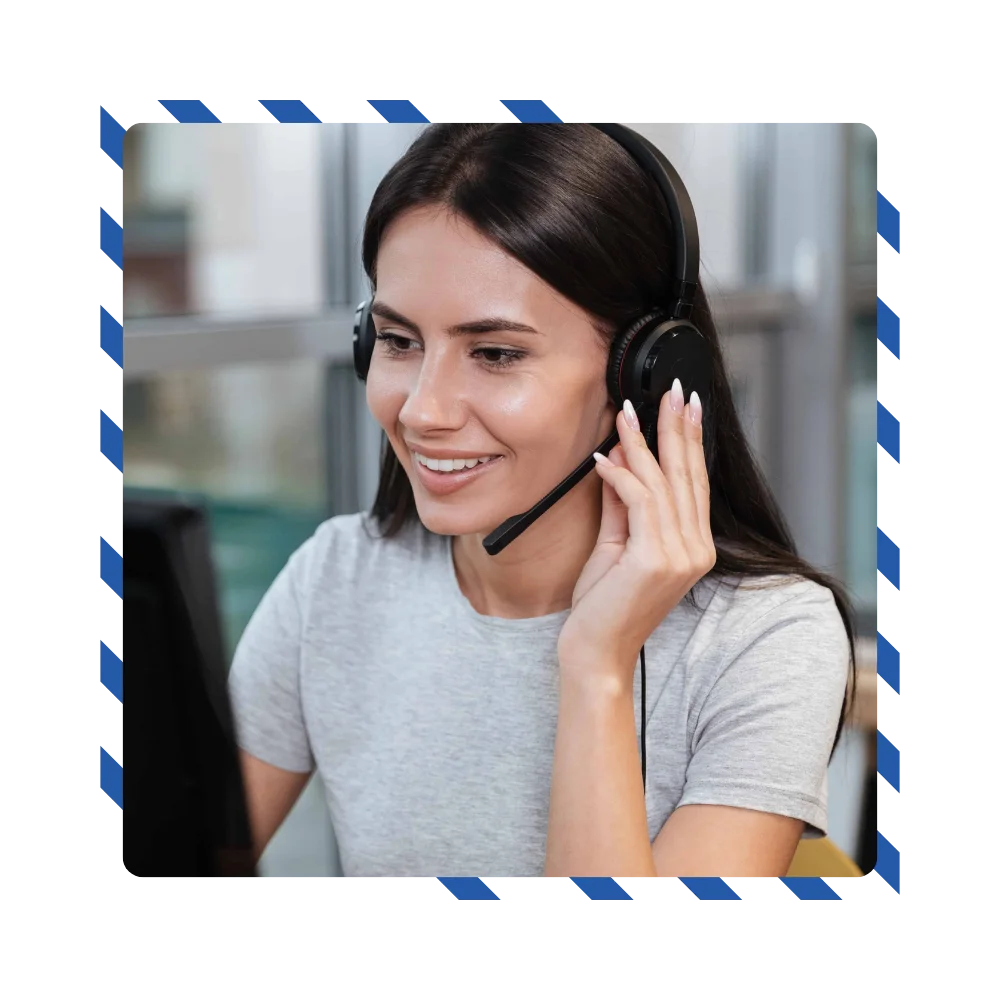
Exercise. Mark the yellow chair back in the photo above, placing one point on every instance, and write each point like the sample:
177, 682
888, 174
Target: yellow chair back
821, 857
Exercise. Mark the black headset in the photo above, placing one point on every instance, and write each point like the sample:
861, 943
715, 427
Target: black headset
648, 354
645, 357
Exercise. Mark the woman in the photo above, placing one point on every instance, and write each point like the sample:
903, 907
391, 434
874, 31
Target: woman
478, 715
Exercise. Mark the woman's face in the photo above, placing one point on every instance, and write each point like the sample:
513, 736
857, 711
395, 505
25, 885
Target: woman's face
479, 358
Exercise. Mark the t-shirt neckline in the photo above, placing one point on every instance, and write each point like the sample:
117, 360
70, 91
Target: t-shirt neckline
544, 623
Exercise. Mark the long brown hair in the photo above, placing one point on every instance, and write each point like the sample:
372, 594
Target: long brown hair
572, 206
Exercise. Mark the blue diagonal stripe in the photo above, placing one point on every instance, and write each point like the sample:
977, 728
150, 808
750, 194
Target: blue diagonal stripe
810, 888
602, 888
469, 888
888, 760
709, 888
887, 863
111, 441
888, 222
291, 112
398, 111
887, 558
189, 111
888, 431
111, 777
112, 137
112, 569
531, 111
112, 674
112, 337
887, 662
111, 238
887, 327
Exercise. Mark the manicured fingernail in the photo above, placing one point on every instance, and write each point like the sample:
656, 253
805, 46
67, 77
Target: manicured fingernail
630, 418
695, 404
677, 397
601, 459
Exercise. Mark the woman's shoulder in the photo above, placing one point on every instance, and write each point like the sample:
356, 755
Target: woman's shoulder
738, 610
351, 547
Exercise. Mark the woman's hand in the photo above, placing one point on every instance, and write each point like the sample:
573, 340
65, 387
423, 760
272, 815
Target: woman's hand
655, 542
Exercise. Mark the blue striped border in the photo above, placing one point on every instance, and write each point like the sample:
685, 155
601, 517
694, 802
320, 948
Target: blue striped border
888, 760
190, 112
111, 777
888, 222
112, 337
290, 112
887, 326
112, 442
111, 238
601, 888
887, 863
887, 554
112, 676
400, 112
112, 568
468, 888
888, 432
710, 888
810, 888
110, 342
531, 111
112, 135
887, 660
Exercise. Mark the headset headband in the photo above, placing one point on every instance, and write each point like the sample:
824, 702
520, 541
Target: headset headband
679, 208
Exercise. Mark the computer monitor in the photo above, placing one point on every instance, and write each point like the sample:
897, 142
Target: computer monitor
183, 801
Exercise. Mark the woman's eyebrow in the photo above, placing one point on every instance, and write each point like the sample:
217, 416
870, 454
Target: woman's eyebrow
491, 324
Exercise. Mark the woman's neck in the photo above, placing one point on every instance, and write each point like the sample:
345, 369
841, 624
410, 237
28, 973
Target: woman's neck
536, 574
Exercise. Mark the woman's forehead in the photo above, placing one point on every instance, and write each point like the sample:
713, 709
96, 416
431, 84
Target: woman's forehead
432, 260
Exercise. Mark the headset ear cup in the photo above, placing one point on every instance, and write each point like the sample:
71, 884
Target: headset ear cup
618, 389
364, 339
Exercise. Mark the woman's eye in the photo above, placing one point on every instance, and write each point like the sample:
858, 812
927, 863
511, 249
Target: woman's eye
491, 357
394, 344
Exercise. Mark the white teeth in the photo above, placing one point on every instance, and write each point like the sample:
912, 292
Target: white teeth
450, 464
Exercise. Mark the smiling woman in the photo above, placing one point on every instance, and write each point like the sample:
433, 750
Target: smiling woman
472, 714
537, 358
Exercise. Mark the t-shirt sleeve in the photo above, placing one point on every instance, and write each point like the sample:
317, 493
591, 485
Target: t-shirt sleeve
763, 736
264, 677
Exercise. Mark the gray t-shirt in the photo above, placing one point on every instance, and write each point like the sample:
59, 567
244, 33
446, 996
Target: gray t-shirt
433, 726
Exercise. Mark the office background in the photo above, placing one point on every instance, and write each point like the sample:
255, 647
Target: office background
242, 267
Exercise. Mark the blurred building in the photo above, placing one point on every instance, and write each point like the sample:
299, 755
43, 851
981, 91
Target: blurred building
242, 268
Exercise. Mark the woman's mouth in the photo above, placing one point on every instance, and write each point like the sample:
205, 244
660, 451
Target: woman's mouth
451, 474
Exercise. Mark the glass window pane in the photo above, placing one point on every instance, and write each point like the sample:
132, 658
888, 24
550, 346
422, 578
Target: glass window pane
249, 440
223, 220
862, 508
862, 206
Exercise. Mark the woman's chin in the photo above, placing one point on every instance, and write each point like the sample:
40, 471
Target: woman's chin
454, 522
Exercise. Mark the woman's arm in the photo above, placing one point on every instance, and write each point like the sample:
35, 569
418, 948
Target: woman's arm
270, 793
597, 813
724, 840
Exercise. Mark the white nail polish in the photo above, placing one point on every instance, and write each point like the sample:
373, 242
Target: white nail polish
677, 397
630, 415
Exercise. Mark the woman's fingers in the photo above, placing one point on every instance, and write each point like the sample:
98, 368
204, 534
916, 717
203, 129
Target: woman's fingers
673, 429
699, 470
644, 466
614, 512
642, 511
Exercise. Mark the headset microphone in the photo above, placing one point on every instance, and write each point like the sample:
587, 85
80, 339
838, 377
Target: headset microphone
498, 539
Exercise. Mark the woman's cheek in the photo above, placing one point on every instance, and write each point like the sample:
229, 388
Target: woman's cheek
384, 400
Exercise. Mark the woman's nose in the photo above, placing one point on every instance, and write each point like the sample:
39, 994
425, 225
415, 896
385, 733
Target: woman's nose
434, 399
